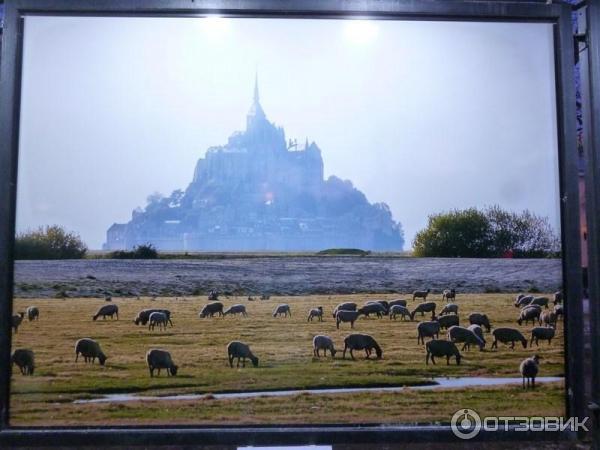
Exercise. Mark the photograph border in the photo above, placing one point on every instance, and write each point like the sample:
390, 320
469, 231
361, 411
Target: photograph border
559, 15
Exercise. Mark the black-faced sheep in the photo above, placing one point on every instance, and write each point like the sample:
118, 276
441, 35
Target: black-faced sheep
282, 310
448, 321
529, 370
239, 350
16, 321
160, 359
321, 342
315, 312
361, 342
158, 319
523, 300
399, 310
107, 310
423, 308
449, 294
347, 306
346, 316
558, 297
144, 316
427, 329
529, 313
540, 301
543, 333
508, 335
373, 308
421, 294
33, 313
90, 350
438, 348
450, 308
23, 359
466, 336
236, 309
548, 318
400, 302
481, 320
211, 309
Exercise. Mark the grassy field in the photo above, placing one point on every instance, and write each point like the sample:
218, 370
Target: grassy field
284, 346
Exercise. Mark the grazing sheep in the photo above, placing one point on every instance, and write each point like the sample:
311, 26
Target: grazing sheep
427, 329
548, 318
211, 309
213, 296
321, 342
450, 308
347, 306
107, 310
468, 337
543, 333
421, 294
400, 302
346, 316
448, 321
16, 320
361, 342
449, 294
236, 309
108, 298
481, 320
523, 300
315, 312
144, 316
239, 350
423, 308
478, 332
251, 299
90, 350
282, 309
373, 308
540, 301
529, 370
559, 311
158, 318
558, 297
399, 310
508, 335
160, 359
23, 358
528, 313
438, 348
33, 313
386, 305
265, 297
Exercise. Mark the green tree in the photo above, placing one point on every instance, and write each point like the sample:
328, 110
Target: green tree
49, 242
463, 233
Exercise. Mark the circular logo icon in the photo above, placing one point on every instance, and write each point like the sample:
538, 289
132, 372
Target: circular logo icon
465, 424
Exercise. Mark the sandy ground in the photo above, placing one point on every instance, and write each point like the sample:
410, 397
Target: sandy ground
286, 275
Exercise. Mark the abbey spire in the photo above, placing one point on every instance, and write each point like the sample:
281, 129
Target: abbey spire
256, 115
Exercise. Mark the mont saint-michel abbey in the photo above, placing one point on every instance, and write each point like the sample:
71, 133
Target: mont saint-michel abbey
260, 192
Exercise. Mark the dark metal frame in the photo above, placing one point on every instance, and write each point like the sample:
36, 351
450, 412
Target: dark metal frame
10, 75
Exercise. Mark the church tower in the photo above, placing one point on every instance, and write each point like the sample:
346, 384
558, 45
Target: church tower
256, 116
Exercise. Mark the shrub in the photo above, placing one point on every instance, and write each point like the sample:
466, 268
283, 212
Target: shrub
492, 232
146, 251
50, 242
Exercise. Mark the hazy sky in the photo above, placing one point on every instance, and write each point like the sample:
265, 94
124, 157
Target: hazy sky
425, 116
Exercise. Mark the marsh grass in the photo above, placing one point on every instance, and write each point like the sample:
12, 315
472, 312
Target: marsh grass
284, 347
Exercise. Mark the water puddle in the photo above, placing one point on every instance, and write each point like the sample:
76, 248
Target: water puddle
437, 383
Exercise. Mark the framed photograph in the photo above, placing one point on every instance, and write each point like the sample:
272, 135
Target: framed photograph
273, 222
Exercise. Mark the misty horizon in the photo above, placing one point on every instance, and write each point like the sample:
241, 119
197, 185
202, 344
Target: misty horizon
104, 126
